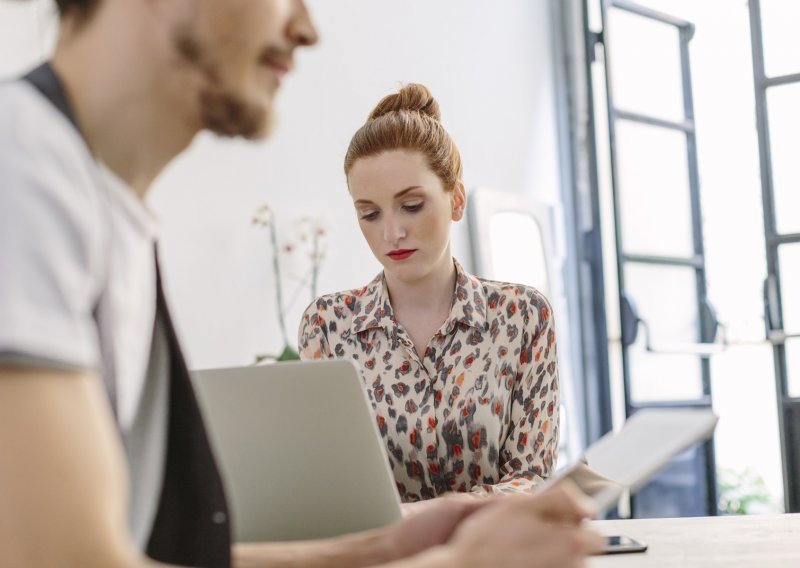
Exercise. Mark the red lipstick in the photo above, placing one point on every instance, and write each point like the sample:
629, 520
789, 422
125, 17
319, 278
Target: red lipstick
400, 254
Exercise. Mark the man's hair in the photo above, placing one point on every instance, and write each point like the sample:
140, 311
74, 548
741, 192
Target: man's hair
81, 8
408, 120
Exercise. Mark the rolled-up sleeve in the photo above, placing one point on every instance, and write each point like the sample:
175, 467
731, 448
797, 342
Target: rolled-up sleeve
47, 292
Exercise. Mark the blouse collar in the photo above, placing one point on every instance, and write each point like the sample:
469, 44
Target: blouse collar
468, 306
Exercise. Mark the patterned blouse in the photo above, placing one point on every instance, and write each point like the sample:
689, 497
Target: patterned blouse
478, 410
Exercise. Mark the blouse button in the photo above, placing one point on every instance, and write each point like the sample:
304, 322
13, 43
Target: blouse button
219, 518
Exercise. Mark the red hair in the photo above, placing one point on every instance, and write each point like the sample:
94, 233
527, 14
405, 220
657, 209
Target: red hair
408, 120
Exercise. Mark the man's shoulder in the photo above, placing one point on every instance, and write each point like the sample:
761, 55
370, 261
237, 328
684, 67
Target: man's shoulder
43, 158
30, 126
22, 108
49, 202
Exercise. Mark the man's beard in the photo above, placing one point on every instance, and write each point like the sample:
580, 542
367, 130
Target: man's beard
226, 114
222, 111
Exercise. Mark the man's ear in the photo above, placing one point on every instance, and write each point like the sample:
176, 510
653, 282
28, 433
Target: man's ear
459, 200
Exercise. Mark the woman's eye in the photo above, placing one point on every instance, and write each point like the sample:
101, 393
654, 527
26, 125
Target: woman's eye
413, 207
368, 216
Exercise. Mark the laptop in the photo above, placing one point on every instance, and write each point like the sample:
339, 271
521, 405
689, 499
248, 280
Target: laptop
298, 449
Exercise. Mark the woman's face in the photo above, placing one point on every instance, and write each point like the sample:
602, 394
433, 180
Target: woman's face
405, 212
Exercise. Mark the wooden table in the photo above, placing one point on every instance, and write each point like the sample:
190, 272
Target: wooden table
769, 541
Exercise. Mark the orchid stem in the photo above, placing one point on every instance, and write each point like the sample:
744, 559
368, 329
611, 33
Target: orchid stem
278, 289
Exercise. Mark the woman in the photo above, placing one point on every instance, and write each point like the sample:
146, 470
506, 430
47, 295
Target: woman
461, 371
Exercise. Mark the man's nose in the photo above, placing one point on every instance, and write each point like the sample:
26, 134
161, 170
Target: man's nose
301, 30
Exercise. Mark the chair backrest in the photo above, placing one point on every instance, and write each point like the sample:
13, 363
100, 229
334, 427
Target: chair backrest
512, 238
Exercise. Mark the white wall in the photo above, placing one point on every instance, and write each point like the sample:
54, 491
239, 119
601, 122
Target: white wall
489, 65
27, 34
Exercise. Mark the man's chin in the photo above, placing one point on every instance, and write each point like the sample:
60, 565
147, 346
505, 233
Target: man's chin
261, 125
232, 117
260, 131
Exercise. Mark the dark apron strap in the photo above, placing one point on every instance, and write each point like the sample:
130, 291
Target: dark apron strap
191, 527
192, 523
48, 83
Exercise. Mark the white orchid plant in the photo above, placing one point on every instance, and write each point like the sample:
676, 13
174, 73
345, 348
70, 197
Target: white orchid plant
307, 241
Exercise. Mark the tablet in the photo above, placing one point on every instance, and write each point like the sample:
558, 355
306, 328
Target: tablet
647, 442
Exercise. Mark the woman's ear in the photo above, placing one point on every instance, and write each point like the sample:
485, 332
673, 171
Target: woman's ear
459, 200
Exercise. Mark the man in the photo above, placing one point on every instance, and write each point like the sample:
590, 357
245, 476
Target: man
103, 456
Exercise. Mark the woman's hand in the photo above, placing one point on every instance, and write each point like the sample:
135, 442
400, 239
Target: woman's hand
411, 509
430, 523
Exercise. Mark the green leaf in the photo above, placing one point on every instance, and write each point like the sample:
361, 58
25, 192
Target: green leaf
288, 354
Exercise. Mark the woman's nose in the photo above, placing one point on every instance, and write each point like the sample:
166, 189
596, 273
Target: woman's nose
393, 230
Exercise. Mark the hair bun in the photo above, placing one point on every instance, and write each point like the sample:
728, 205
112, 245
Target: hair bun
412, 97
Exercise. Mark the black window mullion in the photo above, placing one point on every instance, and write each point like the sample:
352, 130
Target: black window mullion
788, 408
599, 417
706, 323
611, 110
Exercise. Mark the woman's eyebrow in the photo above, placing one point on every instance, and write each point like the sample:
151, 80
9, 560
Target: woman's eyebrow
402, 192
397, 195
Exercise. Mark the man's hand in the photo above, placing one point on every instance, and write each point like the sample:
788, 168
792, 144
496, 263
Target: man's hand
538, 531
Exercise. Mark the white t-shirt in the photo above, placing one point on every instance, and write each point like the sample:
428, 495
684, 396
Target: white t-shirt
77, 278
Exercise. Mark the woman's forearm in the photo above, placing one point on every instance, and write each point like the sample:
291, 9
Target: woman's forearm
509, 484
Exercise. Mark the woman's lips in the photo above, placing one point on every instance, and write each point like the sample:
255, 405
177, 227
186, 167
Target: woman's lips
401, 254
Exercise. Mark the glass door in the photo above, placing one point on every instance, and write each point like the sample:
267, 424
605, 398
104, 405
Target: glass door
776, 71
655, 278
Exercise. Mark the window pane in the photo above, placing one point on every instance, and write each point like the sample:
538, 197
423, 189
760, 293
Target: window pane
653, 185
779, 28
789, 260
784, 136
510, 235
793, 366
644, 56
663, 377
666, 298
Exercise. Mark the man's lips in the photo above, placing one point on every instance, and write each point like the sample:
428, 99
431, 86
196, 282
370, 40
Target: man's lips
279, 68
279, 64
400, 254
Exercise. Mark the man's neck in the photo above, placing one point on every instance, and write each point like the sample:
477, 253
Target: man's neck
121, 104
